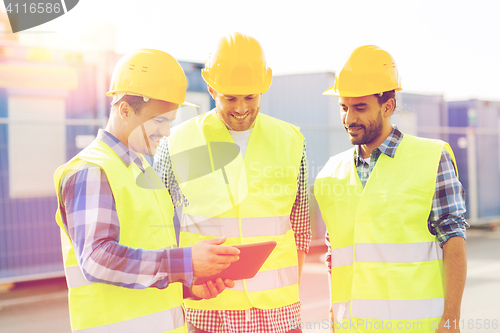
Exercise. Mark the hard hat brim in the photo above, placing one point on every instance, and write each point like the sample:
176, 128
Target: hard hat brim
333, 92
190, 104
230, 89
112, 93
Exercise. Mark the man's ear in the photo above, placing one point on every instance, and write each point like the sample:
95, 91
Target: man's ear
124, 110
389, 107
211, 91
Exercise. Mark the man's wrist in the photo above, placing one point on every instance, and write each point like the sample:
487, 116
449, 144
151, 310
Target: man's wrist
179, 265
451, 315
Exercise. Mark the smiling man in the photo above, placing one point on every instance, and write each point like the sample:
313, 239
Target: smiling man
242, 174
123, 268
394, 209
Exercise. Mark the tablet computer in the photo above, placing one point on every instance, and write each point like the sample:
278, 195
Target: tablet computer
252, 257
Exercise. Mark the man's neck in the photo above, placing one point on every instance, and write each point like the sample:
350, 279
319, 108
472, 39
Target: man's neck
366, 150
112, 129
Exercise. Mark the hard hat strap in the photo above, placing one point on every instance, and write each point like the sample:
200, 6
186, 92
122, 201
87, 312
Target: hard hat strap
146, 139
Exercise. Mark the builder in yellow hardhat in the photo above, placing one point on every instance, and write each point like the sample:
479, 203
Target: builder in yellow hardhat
394, 209
242, 174
124, 270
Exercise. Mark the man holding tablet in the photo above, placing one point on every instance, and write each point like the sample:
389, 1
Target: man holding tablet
121, 261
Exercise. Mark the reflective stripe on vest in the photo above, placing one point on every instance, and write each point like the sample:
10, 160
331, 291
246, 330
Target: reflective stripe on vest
342, 256
229, 227
75, 277
238, 285
396, 252
387, 252
390, 310
158, 322
272, 279
398, 309
263, 280
341, 311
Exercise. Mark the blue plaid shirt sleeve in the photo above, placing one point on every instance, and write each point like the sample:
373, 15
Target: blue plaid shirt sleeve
90, 217
446, 219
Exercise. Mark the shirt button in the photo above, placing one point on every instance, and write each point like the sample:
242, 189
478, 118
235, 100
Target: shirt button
364, 174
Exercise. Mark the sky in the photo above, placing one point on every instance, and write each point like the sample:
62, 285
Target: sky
441, 47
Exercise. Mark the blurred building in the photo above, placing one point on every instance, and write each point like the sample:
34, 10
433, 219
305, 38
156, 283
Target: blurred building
52, 102
473, 131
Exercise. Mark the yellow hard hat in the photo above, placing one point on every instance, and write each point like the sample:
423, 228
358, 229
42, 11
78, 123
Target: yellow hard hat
368, 70
238, 66
150, 74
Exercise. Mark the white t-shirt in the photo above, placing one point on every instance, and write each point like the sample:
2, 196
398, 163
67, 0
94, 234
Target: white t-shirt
241, 139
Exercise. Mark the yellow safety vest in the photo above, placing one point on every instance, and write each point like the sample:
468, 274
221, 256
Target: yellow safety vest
246, 199
145, 217
386, 265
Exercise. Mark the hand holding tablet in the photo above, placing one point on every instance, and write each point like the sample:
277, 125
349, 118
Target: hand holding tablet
211, 257
252, 257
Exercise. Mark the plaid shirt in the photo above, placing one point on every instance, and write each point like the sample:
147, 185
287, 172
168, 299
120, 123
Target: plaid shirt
446, 218
89, 215
252, 320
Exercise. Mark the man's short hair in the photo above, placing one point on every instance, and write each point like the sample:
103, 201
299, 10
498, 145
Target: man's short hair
385, 96
135, 102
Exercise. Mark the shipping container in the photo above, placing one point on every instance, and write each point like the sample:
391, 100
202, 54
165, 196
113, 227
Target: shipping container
476, 145
421, 115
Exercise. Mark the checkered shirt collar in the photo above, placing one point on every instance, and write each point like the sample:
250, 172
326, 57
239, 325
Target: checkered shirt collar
388, 147
125, 154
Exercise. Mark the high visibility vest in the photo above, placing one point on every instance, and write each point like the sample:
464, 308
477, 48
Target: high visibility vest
145, 217
386, 265
246, 199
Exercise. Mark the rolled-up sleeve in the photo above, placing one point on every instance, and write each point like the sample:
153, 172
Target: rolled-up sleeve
446, 219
